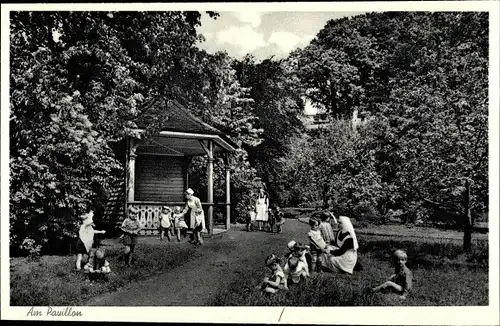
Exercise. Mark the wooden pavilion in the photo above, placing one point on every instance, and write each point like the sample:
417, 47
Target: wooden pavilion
157, 168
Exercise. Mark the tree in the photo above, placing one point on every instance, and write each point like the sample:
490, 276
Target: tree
74, 97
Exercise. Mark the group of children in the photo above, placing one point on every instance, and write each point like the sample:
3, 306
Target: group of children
276, 218
301, 259
97, 267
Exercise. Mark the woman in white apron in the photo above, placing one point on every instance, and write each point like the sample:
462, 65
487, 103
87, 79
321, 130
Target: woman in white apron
193, 204
261, 208
343, 256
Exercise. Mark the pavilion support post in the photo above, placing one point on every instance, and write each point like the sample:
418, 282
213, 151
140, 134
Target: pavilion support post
228, 191
187, 161
210, 187
131, 169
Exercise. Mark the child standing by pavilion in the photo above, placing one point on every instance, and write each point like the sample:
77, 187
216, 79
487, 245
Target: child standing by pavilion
166, 222
85, 238
179, 223
131, 228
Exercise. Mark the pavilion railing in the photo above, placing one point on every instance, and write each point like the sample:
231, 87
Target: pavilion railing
149, 214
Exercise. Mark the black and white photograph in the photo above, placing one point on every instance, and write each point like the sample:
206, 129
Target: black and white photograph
272, 158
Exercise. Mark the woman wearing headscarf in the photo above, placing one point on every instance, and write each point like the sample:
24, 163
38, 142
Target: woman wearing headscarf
343, 255
262, 208
196, 216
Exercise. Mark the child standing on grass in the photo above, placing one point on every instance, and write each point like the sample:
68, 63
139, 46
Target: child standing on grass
318, 244
326, 228
271, 220
277, 280
166, 222
179, 222
280, 220
250, 218
85, 238
198, 227
401, 281
130, 228
98, 267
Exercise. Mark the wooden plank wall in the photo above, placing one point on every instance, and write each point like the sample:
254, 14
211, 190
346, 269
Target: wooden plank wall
159, 178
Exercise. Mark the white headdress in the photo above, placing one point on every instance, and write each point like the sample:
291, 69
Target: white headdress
348, 227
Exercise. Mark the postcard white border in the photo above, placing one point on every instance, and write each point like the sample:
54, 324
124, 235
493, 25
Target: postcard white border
488, 315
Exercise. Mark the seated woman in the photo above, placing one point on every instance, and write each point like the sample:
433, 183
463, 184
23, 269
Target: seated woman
343, 256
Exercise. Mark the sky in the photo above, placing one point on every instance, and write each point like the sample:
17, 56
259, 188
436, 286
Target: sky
264, 34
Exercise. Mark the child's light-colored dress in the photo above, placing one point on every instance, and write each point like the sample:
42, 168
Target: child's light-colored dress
179, 222
165, 222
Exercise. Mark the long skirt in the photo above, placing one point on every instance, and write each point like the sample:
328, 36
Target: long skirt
343, 263
261, 209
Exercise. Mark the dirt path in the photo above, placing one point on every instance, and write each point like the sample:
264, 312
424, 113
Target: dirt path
196, 282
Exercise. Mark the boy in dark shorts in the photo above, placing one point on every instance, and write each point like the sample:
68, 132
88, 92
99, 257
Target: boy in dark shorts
131, 228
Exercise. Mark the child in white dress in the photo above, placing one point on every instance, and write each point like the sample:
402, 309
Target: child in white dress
166, 222
179, 222
86, 238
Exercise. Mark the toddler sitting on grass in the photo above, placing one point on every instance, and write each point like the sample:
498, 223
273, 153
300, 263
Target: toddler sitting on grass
295, 270
97, 267
277, 280
401, 281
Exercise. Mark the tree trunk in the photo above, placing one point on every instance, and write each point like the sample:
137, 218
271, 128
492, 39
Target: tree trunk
467, 220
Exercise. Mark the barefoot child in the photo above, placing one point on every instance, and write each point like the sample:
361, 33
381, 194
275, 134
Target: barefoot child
179, 222
401, 281
98, 267
166, 222
130, 228
280, 220
277, 280
86, 238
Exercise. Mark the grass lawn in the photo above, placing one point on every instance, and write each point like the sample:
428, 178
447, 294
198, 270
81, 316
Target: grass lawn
442, 274
53, 280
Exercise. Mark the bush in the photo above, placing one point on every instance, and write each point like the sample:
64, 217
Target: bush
365, 211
